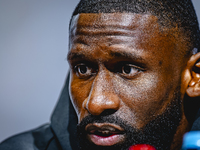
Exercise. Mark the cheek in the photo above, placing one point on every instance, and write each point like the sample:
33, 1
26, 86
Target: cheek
79, 91
144, 97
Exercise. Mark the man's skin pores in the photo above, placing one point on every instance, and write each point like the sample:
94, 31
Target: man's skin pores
126, 63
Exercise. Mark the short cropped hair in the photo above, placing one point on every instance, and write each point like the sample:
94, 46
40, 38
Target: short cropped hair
178, 13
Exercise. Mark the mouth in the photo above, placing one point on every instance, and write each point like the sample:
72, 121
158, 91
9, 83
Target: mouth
105, 134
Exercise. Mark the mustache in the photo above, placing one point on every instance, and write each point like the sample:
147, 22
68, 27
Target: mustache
129, 131
111, 119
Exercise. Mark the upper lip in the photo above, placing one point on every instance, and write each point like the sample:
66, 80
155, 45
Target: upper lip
104, 129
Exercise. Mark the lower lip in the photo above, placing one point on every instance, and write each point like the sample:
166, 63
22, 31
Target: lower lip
106, 141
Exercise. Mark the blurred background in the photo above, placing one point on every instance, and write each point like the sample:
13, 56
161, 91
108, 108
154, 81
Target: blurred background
33, 66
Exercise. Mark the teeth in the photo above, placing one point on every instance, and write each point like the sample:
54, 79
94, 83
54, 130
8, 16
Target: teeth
105, 132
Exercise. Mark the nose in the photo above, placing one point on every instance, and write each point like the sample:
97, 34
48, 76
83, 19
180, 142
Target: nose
102, 98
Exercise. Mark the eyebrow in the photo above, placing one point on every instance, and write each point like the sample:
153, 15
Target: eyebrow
115, 54
128, 55
73, 55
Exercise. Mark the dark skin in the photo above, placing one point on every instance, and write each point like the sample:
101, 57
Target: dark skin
121, 64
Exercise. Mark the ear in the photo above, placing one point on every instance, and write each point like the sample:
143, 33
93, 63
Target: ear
193, 66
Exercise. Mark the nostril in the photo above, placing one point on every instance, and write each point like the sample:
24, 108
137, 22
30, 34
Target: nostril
102, 105
108, 112
101, 100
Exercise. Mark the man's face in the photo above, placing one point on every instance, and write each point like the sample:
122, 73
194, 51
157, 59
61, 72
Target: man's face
126, 80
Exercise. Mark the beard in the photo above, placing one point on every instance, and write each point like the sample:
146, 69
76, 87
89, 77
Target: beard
158, 132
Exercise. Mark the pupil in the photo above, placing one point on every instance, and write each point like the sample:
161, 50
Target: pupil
127, 69
83, 69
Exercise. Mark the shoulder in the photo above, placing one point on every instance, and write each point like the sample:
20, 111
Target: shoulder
23, 141
30, 140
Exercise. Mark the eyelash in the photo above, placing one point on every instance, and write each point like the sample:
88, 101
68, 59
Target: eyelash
81, 74
129, 72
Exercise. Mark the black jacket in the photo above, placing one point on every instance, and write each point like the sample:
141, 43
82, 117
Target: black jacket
60, 134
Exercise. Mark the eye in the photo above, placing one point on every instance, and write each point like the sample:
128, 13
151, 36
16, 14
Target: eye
82, 70
129, 70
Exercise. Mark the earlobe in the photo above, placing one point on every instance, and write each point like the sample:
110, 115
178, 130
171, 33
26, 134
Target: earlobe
193, 89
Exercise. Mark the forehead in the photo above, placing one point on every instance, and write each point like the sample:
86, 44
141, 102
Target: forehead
112, 23
141, 31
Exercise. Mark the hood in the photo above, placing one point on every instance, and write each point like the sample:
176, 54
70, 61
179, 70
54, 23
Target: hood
64, 120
